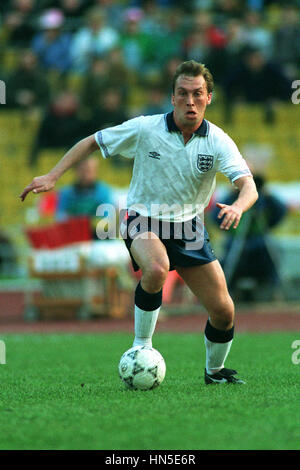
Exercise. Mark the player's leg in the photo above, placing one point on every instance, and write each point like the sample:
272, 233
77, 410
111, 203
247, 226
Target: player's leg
151, 256
208, 283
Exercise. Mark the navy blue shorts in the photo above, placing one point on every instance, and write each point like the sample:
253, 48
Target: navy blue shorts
178, 239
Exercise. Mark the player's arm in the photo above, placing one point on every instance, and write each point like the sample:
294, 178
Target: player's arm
77, 153
247, 197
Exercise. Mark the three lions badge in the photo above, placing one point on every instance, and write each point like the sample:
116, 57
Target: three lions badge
205, 162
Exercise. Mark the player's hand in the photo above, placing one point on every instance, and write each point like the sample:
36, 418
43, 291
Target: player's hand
38, 185
231, 215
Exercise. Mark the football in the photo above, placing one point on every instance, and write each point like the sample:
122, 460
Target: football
142, 368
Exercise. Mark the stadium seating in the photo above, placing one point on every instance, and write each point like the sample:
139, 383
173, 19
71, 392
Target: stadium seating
282, 136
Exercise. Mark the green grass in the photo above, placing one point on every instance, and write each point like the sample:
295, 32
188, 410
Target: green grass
43, 404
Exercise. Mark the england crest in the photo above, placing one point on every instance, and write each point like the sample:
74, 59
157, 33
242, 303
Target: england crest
205, 162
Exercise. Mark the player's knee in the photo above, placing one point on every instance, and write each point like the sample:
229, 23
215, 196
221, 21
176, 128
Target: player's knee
223, 314
155, 275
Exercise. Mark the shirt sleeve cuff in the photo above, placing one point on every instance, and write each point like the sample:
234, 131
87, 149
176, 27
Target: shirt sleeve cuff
103, 147
238, 174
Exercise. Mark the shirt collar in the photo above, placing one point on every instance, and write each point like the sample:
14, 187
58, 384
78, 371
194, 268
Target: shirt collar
202, 130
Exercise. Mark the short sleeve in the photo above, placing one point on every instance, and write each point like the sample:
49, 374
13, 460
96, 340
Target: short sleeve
231, 162
121, 139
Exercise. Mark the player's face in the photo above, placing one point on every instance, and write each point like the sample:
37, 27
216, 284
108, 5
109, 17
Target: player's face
190, 99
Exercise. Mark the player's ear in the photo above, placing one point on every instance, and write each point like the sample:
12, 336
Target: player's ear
173, 99
209, 98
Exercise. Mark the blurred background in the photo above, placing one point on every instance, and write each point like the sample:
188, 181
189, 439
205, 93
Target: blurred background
71, 67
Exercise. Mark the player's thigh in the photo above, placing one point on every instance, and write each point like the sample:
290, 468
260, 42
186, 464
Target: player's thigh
208, 284
150, 253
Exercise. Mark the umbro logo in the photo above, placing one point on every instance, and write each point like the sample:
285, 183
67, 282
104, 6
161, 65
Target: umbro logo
154, 155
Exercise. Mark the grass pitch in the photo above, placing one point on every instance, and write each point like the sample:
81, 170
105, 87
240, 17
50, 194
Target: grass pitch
63, 392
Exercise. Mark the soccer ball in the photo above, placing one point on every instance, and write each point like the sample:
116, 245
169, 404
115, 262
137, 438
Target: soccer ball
142, 368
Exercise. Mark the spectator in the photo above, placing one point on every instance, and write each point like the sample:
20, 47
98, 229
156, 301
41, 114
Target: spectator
52, 45
157, 30
114, 10
256, 81
257, 36
139, 48
61, 126
151, 22
236, 39
27, 86
214, 35
170, 39
247, 252
19, 22
8, 257
225, 10
168, 72
85, 194
73, 11
119, 75
94, 84
96, 38
206, 43
105, 73
157, 101
109, 110
286, 41
197, 46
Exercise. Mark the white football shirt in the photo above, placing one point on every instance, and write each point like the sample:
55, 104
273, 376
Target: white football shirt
168, 174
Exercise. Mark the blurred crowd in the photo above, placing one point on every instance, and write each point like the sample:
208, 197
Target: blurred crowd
108, 46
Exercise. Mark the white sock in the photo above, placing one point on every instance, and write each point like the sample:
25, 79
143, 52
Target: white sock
144, 326
216, 354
